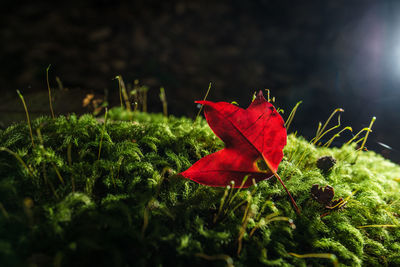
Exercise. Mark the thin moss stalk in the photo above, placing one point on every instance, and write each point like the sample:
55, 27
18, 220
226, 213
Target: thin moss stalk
328, 256
49, 90
43, 150
102, 134
143, 91
201, 107
221, 205
321, 131
163, 99
123, 93
291, 115
367, 132
329, 142
27, 116
19, 159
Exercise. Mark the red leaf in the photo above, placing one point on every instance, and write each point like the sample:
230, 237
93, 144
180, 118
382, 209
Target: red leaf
252, 136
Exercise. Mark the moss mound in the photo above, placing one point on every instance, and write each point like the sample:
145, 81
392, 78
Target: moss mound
69, 205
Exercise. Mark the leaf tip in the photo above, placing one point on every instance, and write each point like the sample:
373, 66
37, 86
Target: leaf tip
260, 94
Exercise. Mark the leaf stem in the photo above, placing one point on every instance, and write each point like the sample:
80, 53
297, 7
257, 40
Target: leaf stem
287, 191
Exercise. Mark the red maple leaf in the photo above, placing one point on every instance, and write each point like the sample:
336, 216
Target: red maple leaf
253, 137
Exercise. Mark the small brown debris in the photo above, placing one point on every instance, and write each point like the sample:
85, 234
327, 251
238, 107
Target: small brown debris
326, 163
323, 195
86, 101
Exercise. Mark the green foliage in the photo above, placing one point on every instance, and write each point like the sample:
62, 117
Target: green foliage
129, 208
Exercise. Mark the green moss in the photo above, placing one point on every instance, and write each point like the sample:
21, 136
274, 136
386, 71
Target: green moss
128, 207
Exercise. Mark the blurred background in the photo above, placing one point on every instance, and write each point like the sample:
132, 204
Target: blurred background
328, 54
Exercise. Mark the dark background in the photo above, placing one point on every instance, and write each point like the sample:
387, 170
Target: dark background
327, 53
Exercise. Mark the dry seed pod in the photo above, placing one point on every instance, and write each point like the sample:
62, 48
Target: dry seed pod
325, 163
323, 195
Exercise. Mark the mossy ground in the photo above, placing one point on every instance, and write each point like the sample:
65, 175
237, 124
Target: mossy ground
70, 207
